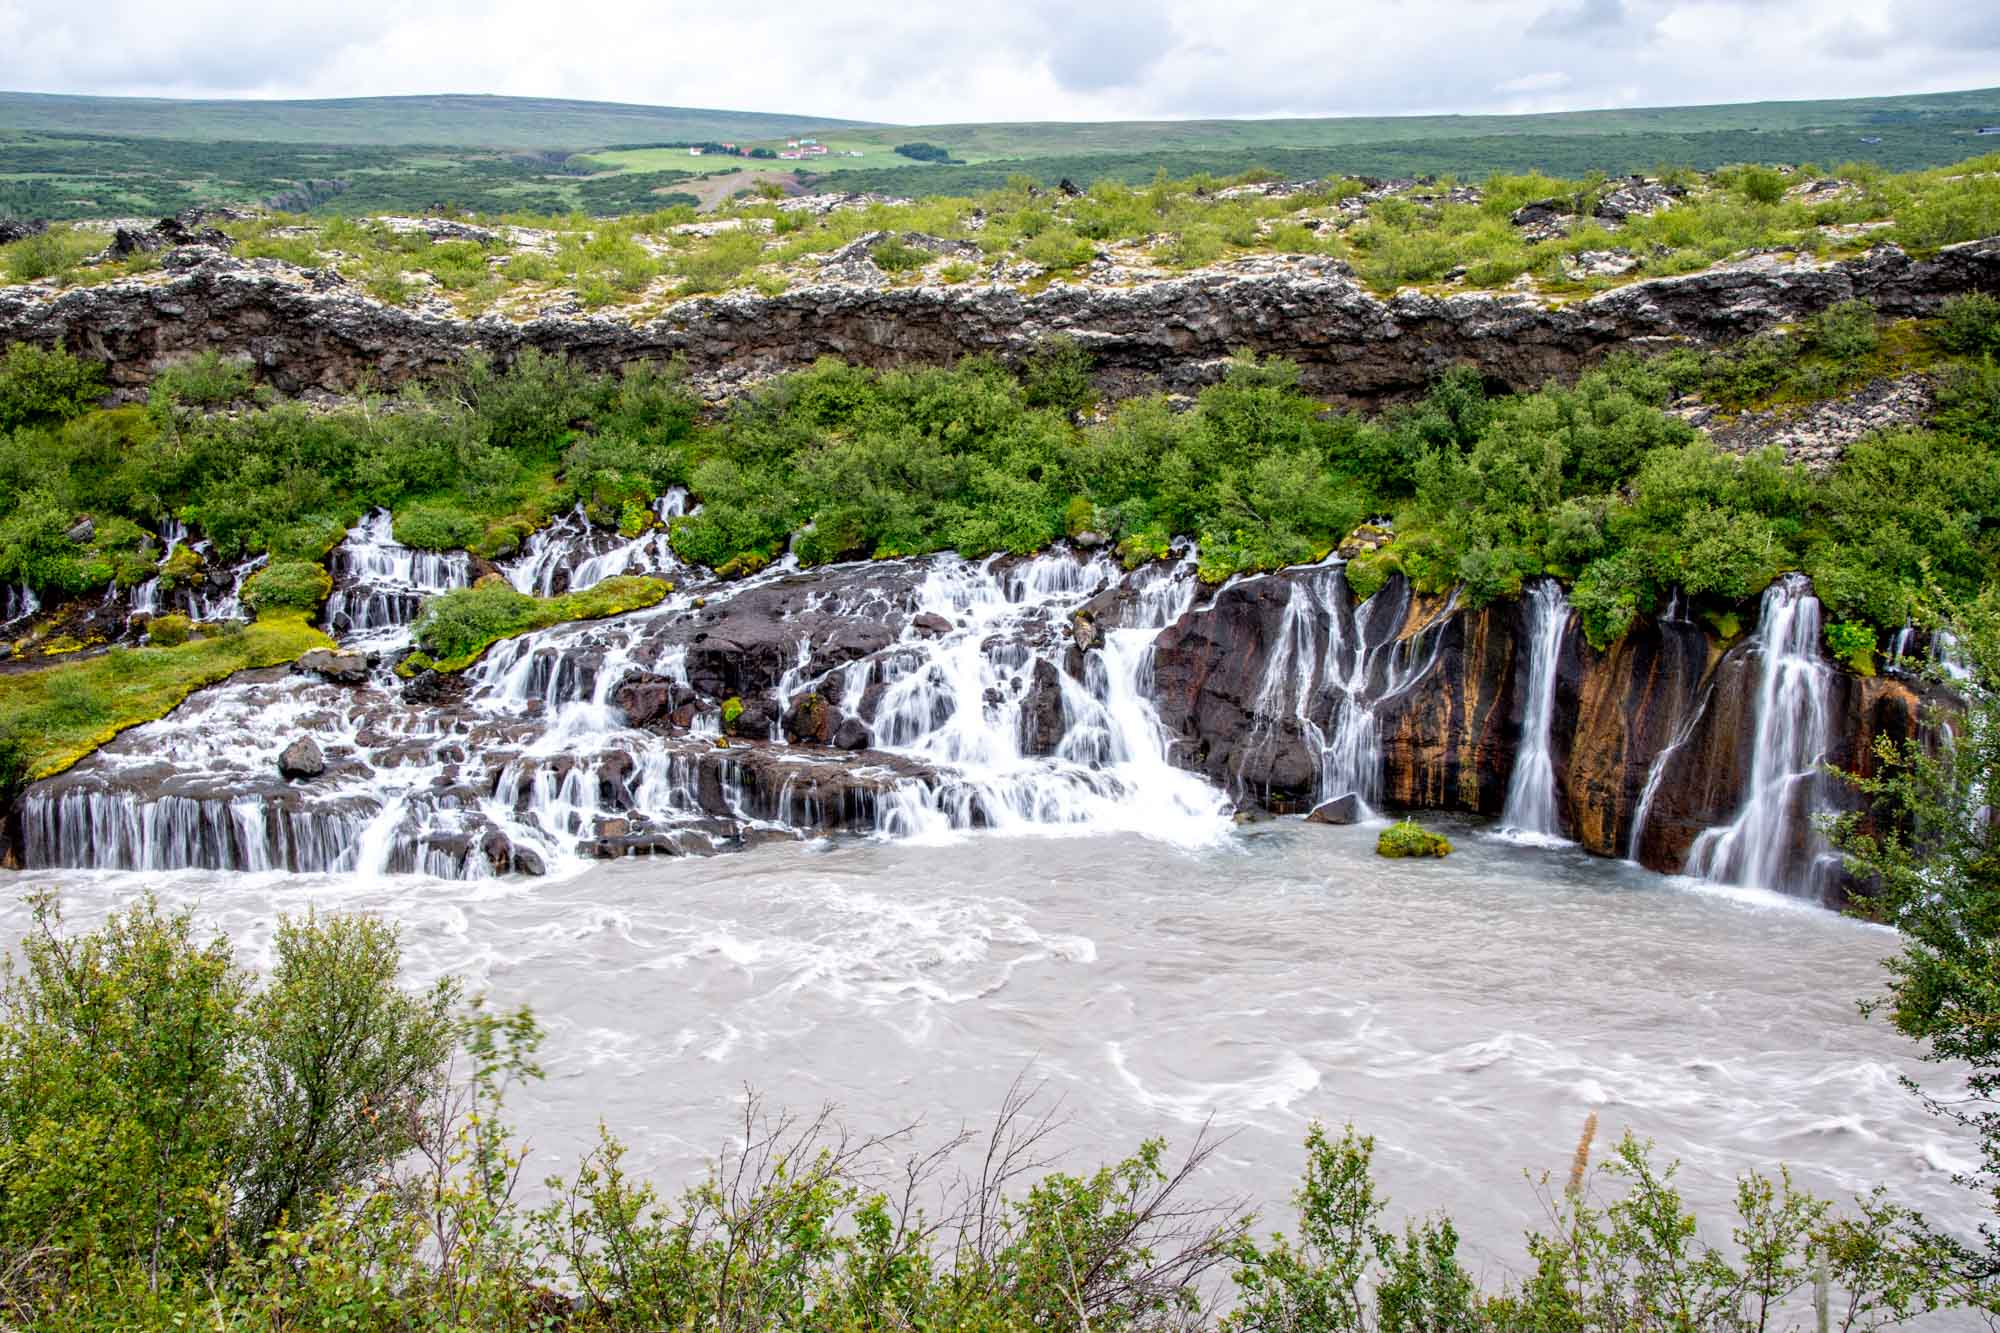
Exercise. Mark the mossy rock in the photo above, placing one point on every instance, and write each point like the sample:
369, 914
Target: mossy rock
749, 562
169, 630
1406, 838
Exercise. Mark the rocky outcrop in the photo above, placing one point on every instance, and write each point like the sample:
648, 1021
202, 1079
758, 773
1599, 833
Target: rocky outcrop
304, 332
1817, 435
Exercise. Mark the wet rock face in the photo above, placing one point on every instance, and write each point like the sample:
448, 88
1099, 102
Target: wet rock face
1208, 670
1352, 346
1449, 741
1650, 741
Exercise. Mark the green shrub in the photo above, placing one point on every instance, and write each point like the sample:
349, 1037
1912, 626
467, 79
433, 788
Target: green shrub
732, 711
38, 386
892, 254
1845, 332
1760, 185
206, 380
1406, 838
54, 253
436, 527
1970, 324
159, 1109
1853, 644
169, 630
287, 585
1059, 247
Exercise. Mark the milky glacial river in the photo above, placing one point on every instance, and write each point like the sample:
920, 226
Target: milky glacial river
1469, 1013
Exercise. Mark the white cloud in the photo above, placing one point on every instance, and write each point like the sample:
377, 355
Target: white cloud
1546, 82
918, 61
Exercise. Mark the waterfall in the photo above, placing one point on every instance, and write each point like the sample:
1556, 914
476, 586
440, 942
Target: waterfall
17, 603
960, 702
380, 584
573, 553
1530, 809
1790, 742
1329, 649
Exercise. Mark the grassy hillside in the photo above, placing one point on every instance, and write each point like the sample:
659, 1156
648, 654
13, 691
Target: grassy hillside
85, 157
451, 120
985, 142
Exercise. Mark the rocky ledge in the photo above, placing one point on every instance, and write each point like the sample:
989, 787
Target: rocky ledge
309, 330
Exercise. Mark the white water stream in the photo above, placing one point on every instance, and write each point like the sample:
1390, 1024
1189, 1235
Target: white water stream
1530, 811
1772, 842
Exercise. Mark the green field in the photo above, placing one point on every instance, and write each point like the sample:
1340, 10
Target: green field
95, 157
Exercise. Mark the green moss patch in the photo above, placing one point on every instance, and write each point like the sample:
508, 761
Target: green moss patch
53, 717
1406, 838
457, 627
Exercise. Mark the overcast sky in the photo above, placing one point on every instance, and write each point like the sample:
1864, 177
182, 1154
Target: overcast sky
918, 61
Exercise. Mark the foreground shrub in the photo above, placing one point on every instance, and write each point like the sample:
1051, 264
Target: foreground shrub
158, 1108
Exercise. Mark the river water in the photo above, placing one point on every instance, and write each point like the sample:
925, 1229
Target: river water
1468, 1012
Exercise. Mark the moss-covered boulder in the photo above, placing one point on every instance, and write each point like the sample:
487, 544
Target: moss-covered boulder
1406, 838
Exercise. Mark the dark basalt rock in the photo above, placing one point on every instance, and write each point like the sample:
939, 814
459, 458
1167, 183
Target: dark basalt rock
1174, 334
434, 687
654, 702
341, 668
1042, 711
811, 720
1340, 810
302, 759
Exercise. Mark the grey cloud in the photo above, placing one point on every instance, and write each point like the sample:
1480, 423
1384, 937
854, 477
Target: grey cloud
1585, 17
1099, 49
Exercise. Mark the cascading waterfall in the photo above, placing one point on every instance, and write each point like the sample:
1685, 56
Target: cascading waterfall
573, 553
1328, 646
214, 596
1530, 809
380, 584
18, 603
960, 700
981, 712
1760, 847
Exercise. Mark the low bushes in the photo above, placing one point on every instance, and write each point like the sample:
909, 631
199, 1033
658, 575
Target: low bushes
287, 585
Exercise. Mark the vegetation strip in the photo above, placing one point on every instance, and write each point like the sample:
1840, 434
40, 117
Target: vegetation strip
52, 717
458, 627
